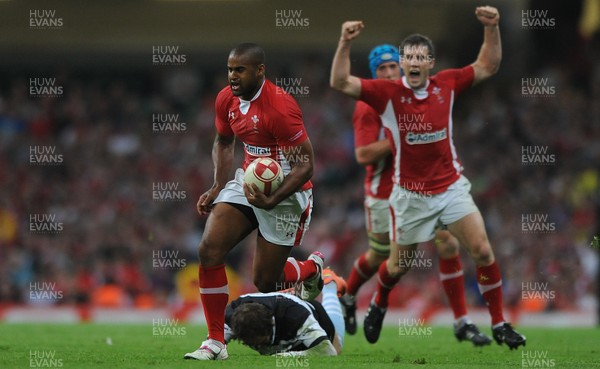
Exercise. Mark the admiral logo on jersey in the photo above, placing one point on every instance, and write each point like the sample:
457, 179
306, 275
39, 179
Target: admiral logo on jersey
257, 150
413, 138
270, 120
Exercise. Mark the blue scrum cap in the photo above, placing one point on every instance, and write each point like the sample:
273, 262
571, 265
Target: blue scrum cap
382, 54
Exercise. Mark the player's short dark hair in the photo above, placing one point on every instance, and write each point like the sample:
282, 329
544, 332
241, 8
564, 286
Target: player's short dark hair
250, 321
417, 39
255, 53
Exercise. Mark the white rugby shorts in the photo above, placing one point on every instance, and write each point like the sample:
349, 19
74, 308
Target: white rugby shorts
377, 214
416, 216
285, 224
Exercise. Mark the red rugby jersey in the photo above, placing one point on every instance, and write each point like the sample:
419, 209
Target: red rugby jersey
419, 126
270, 125
368, 129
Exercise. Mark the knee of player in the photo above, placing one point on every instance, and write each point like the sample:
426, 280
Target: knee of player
446, 249
482, 252
209, 253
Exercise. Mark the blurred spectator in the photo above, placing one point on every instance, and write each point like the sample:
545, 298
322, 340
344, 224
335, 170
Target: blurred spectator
122, 246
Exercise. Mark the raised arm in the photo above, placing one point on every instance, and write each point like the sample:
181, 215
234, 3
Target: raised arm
341, 79
490, 54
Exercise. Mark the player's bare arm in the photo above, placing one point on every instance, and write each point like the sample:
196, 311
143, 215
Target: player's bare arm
301, 159
222, 156
490, 54
372, 152
341, 79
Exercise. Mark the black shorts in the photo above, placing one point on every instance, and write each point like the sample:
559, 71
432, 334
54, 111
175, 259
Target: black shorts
323, 319
247, 211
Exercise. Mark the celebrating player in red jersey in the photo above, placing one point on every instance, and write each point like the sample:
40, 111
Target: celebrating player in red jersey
373, 151
429, 188
269, 123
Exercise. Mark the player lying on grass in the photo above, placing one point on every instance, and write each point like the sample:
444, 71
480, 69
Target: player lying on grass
280, 323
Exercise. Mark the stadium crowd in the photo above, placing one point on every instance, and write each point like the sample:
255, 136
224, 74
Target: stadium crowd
115, 230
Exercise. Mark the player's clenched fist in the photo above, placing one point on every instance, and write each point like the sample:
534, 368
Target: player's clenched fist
487, 15
351, 30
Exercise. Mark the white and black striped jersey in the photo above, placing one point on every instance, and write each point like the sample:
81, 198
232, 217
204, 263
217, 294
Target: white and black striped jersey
299, 325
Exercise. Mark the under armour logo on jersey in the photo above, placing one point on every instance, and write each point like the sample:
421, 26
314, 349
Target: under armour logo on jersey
231, 115
289, 234
484, 278
406, 100
436, 90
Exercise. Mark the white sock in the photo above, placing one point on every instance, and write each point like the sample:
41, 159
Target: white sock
332, 306
498, 325
463, 320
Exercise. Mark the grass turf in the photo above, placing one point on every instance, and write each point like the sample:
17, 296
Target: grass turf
139, 346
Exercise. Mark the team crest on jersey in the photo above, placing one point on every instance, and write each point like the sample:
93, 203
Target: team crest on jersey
413, 138
255, 122
257, 150
436, 91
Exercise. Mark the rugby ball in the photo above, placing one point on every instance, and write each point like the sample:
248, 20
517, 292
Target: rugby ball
265, 173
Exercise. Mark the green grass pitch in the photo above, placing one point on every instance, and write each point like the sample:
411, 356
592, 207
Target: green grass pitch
84, 346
